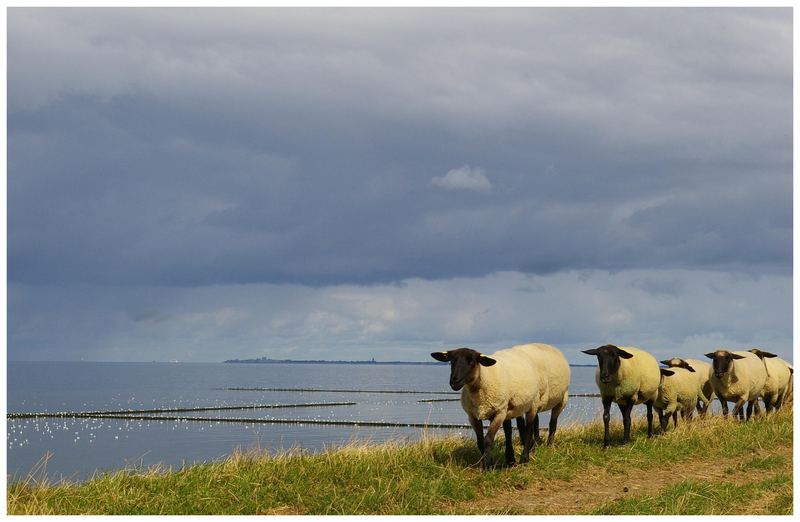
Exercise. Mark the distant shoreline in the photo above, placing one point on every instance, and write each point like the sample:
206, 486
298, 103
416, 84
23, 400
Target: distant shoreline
301, 361
321, 361
269, 361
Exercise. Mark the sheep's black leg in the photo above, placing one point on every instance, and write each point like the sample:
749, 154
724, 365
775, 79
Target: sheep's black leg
537, 436
488, 441
754, 408
521, 429
675, 420
778, 403
649, 405
738, 410
508, 431
626, 420
724, 404
702, 407
606, 419
477, 425
528, 442
554, 413
662, 420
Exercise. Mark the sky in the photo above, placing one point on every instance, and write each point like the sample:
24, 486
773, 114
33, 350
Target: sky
205, 184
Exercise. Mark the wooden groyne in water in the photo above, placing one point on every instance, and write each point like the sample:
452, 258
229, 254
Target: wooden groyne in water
410, 392
158, 413
455, 400
318, 422
172, 410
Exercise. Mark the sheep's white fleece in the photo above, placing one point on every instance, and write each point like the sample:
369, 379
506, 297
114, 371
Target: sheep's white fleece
744, 381
636, 380
702, 372
788, 397
778, 378
527, 378
677, 392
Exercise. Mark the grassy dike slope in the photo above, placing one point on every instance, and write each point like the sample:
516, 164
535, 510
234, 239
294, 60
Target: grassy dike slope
708, 466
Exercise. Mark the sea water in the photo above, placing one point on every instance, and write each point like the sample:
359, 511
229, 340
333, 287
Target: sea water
74, 449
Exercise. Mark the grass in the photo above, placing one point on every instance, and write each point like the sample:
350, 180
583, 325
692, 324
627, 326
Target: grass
691, 497
434, 475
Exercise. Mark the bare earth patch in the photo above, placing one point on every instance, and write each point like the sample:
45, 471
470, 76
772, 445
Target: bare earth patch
596, 485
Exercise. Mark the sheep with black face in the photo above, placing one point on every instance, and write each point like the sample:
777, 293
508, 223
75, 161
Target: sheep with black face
627, 376
677, 392
702, 372
738, 377
523, 380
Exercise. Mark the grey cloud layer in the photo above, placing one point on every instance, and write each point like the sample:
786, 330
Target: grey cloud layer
671, 312
169, 147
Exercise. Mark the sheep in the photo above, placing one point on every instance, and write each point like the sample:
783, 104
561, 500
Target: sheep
627, 376
788, 397
778, 376
677, 391
737, 377
702, 371
522, 380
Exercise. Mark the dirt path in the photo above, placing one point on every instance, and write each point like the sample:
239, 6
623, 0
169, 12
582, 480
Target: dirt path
596, 486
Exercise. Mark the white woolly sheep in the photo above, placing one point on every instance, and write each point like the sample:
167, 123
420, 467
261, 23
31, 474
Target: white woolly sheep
627, 376
778, 376
702, 372
523, 380
738, 377
677, 392
788, 397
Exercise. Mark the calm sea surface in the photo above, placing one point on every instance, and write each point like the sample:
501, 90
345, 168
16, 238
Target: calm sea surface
76, 448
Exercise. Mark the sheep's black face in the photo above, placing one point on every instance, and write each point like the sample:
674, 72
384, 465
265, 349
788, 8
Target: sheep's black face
608, 357
722, 360
464, 364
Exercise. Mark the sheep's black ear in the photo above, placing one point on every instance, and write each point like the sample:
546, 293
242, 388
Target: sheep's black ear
441, 356
666, 372
791, 370
624, 354
768, 355
710, 355
736, 356
485, 361
593, 351
686, 365
665, 362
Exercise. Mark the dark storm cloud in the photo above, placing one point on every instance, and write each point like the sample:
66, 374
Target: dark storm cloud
197, 147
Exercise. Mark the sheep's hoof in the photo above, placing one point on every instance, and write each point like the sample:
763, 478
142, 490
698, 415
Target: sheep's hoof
524, 459
510, 463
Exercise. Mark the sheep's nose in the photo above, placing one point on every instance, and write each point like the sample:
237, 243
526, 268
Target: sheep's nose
605, 378
717, 375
